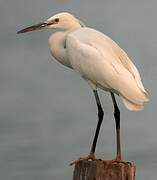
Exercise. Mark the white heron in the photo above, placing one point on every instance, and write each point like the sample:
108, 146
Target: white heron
99, 61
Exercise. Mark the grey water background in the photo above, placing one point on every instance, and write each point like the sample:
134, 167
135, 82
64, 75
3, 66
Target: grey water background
48, 113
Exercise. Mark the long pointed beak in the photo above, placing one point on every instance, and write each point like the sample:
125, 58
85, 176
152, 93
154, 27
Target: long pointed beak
33, 28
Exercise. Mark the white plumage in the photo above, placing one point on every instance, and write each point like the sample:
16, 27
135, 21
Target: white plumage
99, 60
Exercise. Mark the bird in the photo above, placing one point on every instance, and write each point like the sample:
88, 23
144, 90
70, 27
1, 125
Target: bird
101, 63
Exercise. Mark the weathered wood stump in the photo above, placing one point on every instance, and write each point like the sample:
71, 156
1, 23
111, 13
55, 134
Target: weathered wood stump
103, 170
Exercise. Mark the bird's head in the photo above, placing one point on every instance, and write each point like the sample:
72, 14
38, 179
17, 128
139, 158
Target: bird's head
62, 21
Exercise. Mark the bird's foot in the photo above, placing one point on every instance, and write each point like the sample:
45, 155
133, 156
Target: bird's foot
91, 157
118, 160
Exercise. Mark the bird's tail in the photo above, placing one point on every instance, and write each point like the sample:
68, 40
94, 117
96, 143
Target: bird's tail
133, 106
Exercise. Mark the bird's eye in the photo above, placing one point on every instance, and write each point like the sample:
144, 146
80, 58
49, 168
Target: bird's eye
56, 20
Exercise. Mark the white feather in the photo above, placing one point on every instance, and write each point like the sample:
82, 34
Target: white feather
97, 58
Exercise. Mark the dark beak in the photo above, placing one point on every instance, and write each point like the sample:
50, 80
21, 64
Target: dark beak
33, 28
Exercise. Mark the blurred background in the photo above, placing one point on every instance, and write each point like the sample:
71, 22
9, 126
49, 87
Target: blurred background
48, 113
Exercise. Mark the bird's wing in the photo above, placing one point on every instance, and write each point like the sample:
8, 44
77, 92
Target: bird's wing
106, 45
127, 63
98, 59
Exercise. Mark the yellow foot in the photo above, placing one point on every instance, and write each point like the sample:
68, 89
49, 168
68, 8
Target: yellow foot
91, 157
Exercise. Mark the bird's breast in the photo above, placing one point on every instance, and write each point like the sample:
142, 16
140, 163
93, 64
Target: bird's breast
57, 43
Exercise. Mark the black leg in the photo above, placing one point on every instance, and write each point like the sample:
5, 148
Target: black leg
100, 118
117, 120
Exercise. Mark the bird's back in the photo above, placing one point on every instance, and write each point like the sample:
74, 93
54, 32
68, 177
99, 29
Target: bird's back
105, 43
102, 62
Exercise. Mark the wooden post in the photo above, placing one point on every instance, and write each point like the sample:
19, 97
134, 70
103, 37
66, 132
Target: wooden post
103, 170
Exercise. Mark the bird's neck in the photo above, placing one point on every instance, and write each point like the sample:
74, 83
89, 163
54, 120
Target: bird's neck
57, 43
